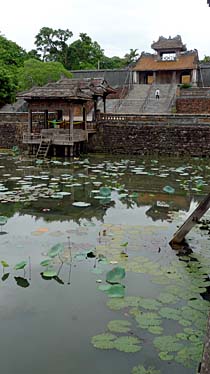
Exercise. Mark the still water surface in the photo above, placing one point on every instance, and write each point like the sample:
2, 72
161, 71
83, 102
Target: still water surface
46, 324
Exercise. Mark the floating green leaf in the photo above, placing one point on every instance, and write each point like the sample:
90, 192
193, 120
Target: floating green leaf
147, 320
4, 264
150, 304
141, 370
3, 220
103, 341
170, 313
50, 273
167, 298
115, 275
104, 287
105, 191
167, 344
20, 265
165, 356
46, 262
55, 250
116, 290
169, 189
128, 344
119, 326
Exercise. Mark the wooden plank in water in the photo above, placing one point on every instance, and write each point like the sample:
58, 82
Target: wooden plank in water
191, 221
205, 364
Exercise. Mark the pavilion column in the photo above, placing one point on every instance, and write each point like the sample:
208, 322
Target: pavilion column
71, 123
30, 121
104, 101
174, 77
194, 77
154, 77
84, 114
95, 108
46, 119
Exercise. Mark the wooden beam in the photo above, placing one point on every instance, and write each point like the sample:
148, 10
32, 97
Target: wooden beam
191, 221
30, 121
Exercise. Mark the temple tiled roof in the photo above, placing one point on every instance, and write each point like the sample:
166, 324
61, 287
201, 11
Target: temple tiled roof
184, 61
69, 89
169, 44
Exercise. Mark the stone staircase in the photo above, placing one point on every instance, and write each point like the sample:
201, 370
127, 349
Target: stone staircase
141, 99
165, 103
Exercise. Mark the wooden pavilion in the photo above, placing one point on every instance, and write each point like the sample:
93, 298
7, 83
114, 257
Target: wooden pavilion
63, 107
171, 63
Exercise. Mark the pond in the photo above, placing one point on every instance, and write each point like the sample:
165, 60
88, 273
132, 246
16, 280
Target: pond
89, 283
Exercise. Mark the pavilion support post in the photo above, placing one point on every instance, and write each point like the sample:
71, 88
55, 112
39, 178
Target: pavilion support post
191, 221
104, 102
54, 151
66, 151
46, 119
29, 121
95, 109
84, 113
71, 123
154, 77
174, 77
71, 151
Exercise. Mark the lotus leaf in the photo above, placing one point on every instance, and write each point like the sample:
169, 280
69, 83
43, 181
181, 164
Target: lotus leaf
158, 330
170, 313
165, 356
20, 265
150, 304
5, 276
128, 344
116, 290
103, 341
123, 303
105, 191
184, 322
169, 189
192, 314
167, 298
55, 250
201, 305
3, 220
81, 204
50, 273
46, 262
119, 326
115, 275
167, 344
141, 370
104, 287
4, 264
147, 320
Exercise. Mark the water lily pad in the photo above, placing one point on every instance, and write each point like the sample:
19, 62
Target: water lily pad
20, 265
81, 204
104, 287
50, 273
169, 189
142, 370
55, 250
4, 264
115, 275
103, 341
167, 344
128, 344
46, 262
116, 290
105, 191
3, 220
119, 326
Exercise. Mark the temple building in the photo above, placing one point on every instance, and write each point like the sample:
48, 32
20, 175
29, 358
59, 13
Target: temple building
171, 63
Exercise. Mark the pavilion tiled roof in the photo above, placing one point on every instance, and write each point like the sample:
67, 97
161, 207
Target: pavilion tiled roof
150, 62
69, 89
169, 44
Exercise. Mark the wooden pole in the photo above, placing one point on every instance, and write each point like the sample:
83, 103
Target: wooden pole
191, 221
30, 121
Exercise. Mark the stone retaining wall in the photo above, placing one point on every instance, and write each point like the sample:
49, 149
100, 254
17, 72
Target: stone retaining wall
193, 105
145, 138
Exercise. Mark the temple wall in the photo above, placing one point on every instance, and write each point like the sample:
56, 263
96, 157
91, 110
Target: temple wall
160, 135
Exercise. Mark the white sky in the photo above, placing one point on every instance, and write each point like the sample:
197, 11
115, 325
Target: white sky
117, 25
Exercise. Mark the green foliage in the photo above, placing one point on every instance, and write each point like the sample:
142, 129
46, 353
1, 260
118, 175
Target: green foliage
142, 370
115, 275
128, 344
53, 44
38, 73
119, 326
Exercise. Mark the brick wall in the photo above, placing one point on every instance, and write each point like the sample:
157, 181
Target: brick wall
193, 105
142, 139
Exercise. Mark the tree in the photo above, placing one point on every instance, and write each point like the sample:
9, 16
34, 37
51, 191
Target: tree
84, 53
11, 58
131, 57
53, 44
38, 73
206, 59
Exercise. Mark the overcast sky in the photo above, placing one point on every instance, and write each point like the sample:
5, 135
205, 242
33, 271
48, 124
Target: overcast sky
117, 25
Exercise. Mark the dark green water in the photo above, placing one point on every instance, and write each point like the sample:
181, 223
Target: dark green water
46, 324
